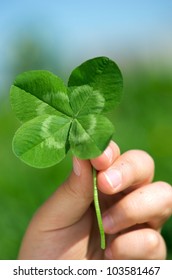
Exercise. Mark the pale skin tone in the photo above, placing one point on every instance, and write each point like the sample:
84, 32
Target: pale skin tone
134, 210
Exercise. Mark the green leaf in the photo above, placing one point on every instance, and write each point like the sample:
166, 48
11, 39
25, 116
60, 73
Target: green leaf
90, 135
56, 118
45, 87
41, 142
84, 100
101, 74
28, 106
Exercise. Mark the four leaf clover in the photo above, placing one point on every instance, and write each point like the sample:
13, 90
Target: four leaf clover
56, 118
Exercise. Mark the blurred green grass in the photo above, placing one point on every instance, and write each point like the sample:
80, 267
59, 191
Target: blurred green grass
142, 121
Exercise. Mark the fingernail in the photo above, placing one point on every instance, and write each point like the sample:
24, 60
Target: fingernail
109, 153
76, 167
113, 177
107, 222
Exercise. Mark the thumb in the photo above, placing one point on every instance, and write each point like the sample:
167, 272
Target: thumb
71, 200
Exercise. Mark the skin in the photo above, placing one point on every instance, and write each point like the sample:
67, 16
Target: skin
133, 207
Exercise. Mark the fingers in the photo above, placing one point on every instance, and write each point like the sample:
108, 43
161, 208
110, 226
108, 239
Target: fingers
136, 203
71, 200
143, 244
105, 160
132, 168
150, 204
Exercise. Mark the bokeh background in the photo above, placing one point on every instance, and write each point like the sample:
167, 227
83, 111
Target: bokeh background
58, 36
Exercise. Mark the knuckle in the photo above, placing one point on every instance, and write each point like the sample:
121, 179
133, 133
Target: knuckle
167, 188
135, 154
145, 244
69, 190
147, 160
130, 210
152, 243
166, 195
76, 192
140, 164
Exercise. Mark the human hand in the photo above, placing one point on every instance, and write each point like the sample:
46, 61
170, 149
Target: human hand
134, 210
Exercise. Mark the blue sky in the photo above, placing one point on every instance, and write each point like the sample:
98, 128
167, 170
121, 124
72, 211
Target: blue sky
82, 29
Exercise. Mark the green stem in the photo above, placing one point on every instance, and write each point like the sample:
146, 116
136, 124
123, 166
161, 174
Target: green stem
97, 209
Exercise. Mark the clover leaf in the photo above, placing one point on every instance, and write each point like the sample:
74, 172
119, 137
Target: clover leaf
56, 118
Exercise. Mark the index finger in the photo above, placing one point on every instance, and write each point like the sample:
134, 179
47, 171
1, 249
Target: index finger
133, 168
106, 159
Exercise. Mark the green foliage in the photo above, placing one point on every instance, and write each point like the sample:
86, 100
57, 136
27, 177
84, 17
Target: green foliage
56, 118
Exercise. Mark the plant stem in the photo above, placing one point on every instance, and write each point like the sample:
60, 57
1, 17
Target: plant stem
97, 209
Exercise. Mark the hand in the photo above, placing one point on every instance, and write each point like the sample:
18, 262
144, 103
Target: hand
134, 210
